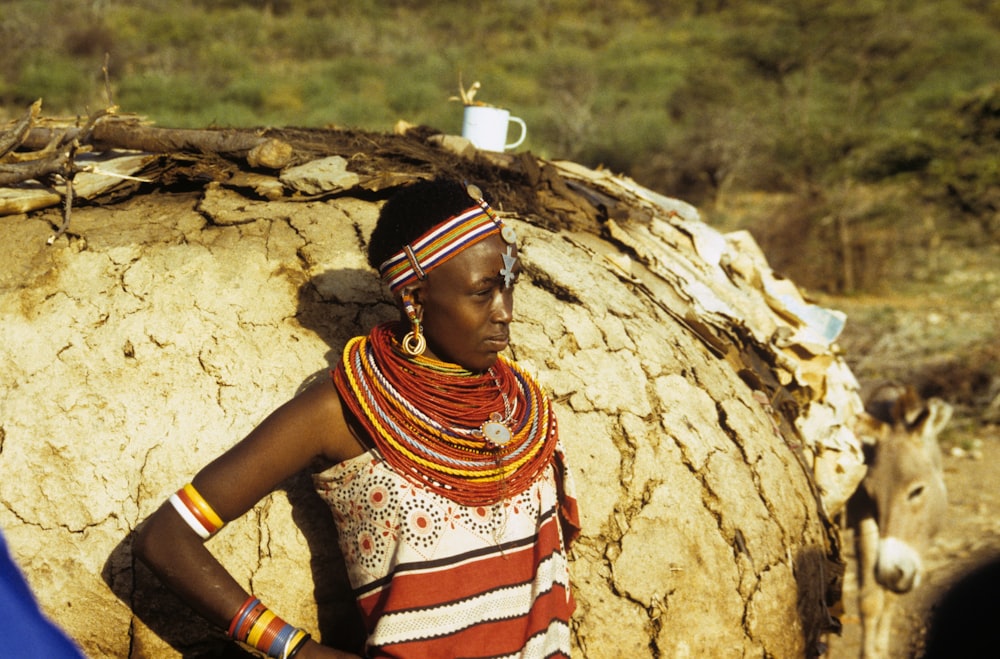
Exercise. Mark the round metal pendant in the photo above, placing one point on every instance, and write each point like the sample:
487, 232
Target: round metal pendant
495, 432
508, 234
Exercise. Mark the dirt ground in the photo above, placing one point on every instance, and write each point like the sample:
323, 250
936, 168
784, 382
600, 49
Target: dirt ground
941, 335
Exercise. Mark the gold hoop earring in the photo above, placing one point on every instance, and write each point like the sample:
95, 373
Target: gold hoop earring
414, 342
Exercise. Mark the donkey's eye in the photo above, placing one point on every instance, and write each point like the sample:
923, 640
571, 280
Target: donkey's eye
915, 492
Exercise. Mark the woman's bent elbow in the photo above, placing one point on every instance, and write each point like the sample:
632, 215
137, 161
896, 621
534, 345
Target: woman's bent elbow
153, 541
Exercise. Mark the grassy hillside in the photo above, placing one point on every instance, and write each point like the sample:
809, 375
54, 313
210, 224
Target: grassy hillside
859, 115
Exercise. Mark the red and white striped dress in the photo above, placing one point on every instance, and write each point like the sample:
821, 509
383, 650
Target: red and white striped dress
435, 579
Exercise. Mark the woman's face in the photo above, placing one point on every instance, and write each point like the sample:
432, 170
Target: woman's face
466, 305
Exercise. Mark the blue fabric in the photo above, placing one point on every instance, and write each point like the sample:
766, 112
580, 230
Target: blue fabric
25, 632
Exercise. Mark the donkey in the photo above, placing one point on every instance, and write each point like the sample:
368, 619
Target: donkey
899, 506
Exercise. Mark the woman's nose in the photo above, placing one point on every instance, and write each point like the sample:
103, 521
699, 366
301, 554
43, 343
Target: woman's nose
503, 307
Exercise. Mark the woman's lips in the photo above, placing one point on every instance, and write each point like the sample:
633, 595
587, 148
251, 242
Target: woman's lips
497, 343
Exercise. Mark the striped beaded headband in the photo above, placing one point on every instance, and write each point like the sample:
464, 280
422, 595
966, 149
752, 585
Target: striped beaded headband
441, 243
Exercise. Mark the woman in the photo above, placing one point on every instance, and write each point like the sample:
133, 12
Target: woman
440, 458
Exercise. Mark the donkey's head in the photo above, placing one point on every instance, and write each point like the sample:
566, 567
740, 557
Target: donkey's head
904, 480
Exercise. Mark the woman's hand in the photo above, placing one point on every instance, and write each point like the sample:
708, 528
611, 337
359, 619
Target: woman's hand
313, 650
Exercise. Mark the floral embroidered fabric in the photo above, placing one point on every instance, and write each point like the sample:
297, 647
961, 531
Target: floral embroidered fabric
436, 578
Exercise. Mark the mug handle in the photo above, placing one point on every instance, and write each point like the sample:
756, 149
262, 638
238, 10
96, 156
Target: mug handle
524, 132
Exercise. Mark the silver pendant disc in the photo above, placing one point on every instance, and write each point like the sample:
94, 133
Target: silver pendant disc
496, 433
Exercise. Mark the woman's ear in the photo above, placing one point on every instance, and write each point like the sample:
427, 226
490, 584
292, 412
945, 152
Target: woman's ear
412, 299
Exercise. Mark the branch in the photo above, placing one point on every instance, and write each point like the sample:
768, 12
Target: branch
107, 79
115, 132
13, 173
10, 140
67, 211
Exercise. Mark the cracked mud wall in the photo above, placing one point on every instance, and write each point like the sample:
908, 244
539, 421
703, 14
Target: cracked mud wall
164, 329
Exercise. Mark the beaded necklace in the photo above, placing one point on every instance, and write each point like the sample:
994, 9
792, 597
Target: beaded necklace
447, 427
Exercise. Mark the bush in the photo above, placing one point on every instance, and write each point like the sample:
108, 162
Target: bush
891, 154
965, 170
65, 84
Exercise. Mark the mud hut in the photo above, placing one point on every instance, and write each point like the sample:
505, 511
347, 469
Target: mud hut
162, 291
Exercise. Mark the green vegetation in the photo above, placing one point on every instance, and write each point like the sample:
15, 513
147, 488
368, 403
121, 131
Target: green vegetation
702, 99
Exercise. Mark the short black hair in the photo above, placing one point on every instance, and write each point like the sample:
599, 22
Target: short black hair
412, 211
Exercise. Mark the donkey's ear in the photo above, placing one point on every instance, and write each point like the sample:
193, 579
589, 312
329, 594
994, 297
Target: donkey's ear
938, 414
909, 407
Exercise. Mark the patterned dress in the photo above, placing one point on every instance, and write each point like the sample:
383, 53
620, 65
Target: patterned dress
454, 525
434, 578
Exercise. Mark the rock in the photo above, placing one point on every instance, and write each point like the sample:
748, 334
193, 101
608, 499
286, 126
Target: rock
320, 176
270, 154
455, 143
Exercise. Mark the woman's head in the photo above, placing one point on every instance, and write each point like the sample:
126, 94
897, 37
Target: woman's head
465, 301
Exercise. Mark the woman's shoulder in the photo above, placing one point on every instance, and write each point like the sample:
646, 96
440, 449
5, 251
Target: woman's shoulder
321, 406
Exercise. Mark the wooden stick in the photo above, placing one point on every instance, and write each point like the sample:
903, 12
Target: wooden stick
128, 133
10, 140
13, 173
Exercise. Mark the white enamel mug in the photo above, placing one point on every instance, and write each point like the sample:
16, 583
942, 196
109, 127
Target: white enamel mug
486, 127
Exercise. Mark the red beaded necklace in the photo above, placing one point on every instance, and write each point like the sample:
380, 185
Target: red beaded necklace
474, 437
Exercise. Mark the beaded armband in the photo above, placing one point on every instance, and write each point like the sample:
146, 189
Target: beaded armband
255, 625
193, 508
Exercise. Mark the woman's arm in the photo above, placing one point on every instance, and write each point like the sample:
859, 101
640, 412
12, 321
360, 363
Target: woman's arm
310, 426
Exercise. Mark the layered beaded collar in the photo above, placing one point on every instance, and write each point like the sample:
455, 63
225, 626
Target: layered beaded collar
476, 438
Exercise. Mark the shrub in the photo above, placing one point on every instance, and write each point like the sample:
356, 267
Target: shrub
893, 153
65, 83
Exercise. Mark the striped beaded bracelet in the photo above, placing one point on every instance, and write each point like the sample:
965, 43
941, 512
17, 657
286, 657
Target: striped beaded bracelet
193, 508
255, 625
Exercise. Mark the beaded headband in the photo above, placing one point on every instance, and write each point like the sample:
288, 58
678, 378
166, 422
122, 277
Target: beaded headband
441, 243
